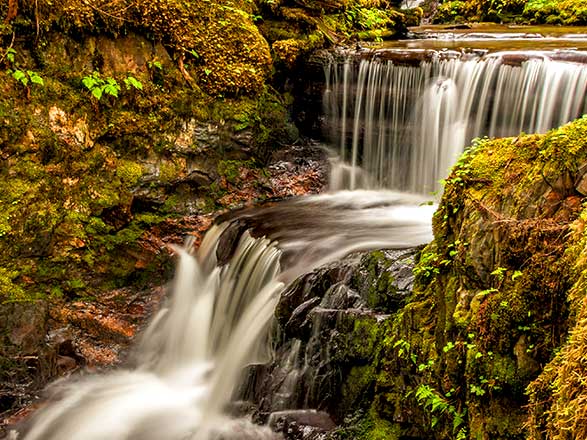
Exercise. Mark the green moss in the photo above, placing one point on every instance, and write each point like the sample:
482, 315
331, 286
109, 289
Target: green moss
9, 289
368, 427
129, 172
567, 12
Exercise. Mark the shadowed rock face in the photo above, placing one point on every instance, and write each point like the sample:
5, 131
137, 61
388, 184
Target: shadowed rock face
328, 324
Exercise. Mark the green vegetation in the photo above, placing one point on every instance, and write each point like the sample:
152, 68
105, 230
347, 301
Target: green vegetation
565, 12
120, 102
98, 86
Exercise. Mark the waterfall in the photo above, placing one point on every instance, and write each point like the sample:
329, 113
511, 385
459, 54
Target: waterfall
404, 126
189, 359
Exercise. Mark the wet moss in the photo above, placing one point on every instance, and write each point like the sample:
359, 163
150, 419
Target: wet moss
367, 426
568, 12
494, 296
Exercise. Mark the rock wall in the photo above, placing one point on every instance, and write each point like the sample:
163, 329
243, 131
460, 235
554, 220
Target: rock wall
496, 294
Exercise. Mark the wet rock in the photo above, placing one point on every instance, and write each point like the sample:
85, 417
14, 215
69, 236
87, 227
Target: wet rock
301, 424
298, 321
327, 338
385, 278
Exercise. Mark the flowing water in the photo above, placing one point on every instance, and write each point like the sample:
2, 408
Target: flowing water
402, 126
189, 359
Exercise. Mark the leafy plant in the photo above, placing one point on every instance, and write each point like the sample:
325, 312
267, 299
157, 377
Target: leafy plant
132, 82
10, 54
26, 76
499, 273
439, 406
99, 86
155, 64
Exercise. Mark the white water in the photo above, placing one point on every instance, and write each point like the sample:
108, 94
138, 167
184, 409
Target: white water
189, 359
404, 126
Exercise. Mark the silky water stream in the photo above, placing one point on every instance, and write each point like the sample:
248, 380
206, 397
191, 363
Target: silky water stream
397, 126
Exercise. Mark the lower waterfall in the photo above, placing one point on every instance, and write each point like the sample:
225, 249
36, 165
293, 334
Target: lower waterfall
189, 359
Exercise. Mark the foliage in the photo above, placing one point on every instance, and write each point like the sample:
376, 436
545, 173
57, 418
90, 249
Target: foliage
99, 86
451, 11
131, 82
567, 12
439, 406
25, 77
233, 58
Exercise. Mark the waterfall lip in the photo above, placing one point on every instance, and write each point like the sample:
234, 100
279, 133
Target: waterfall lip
417, 56
492, 38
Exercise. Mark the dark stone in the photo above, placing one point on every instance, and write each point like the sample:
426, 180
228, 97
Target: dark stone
326, 340
301, 424
298, 322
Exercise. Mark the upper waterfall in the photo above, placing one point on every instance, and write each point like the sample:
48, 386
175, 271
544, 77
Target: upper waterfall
405, 125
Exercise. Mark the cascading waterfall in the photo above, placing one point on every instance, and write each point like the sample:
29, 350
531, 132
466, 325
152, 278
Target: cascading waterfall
190, 357
396, 127
188, 360
406, 125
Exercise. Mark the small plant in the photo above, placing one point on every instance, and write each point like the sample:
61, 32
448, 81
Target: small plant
449, 346
516, 274
427, 366
439, 406
404, 347
155, 64
428, 265
10, 54
25, 77
99, 86
499, 273
132, 82
478, 389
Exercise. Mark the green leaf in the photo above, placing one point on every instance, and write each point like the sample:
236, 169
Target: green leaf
19, 75
10, 54
35, 78
111, 90
89, 81
131, 81
97, 92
